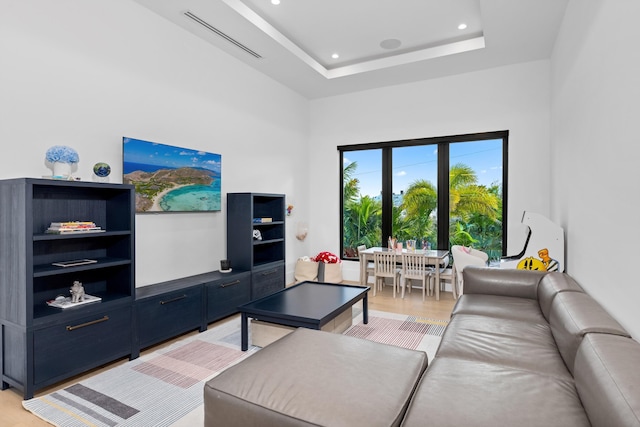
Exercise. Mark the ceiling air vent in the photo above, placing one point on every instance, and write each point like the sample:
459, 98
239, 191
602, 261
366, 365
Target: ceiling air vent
221, 34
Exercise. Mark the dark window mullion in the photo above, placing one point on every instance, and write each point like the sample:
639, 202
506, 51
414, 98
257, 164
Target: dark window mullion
387, 196
505, 189
443, 195
341, 168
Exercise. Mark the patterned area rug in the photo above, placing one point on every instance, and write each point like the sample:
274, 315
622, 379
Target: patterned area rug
164, 388
412, 332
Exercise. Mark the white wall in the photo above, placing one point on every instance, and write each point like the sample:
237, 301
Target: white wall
85, 74
514, 98
595, 110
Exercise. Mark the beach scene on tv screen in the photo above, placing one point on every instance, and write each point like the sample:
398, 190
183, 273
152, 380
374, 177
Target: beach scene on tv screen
171, 179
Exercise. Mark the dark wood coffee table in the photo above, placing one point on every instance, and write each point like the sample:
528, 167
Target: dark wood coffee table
307, 305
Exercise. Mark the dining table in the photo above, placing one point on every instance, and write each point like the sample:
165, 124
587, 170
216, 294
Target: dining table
438, 258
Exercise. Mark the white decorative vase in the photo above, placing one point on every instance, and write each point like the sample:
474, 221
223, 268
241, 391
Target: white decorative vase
61, 170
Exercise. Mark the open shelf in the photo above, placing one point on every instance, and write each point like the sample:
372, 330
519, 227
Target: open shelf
51, 270
86, 235
43, 313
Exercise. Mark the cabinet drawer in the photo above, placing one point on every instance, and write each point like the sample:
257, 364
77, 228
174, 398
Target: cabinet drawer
167, 315
66, 349
267, 281
225, 295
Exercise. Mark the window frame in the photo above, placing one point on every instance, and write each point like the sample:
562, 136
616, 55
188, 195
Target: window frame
443, 143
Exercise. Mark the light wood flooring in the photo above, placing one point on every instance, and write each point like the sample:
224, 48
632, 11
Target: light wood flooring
12, 414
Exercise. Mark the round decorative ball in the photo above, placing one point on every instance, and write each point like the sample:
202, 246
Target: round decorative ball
102, 170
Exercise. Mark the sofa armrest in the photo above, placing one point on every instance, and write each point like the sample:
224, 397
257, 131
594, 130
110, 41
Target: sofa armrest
607, 378
504, 282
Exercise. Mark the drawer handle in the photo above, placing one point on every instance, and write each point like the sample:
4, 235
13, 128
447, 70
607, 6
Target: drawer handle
173, 300
269, 273
82, 325
235, 282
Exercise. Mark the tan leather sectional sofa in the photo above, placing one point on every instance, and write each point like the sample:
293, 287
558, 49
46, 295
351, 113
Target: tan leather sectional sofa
522, 349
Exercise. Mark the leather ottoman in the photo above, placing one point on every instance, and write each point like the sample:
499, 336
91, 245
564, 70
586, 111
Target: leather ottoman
316, 378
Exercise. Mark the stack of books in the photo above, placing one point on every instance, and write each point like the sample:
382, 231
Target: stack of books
262, 220
73, 227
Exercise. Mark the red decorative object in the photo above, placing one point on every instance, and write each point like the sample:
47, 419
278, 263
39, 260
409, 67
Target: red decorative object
327, 258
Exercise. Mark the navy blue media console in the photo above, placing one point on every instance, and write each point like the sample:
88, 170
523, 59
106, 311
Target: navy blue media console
41, 345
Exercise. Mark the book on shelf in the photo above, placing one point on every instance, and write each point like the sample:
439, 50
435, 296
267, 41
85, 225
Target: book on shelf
73, 230
74, 224
65, 302
74, 262
73, 227
262, 220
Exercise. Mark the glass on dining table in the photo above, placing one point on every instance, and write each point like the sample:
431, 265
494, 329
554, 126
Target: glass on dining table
392, 243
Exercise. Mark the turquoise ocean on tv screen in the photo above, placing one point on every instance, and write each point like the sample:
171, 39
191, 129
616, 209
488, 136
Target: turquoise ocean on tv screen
193, 198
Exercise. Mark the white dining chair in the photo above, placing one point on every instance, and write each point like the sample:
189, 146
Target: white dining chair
368, 268
448, 274
444, 274
463, 257
385, 267
414, 267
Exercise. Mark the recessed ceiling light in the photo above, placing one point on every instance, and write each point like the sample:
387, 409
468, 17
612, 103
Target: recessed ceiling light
460, 27
276, 2
335, 56
390, 44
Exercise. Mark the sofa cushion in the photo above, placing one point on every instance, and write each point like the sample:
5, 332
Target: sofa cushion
316, 378
455, 392
517, 344
574, 314
552, 284
607, 375
499, 306
507, 282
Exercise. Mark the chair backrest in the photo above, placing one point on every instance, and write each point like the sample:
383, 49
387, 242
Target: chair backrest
482, 255
384, 263
414, 265
463, 257
361, 248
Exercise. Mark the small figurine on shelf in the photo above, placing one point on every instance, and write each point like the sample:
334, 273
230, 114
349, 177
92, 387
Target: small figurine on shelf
77, 292
257, 235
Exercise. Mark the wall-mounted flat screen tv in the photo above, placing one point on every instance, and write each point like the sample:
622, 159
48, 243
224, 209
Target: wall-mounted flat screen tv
171, 179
